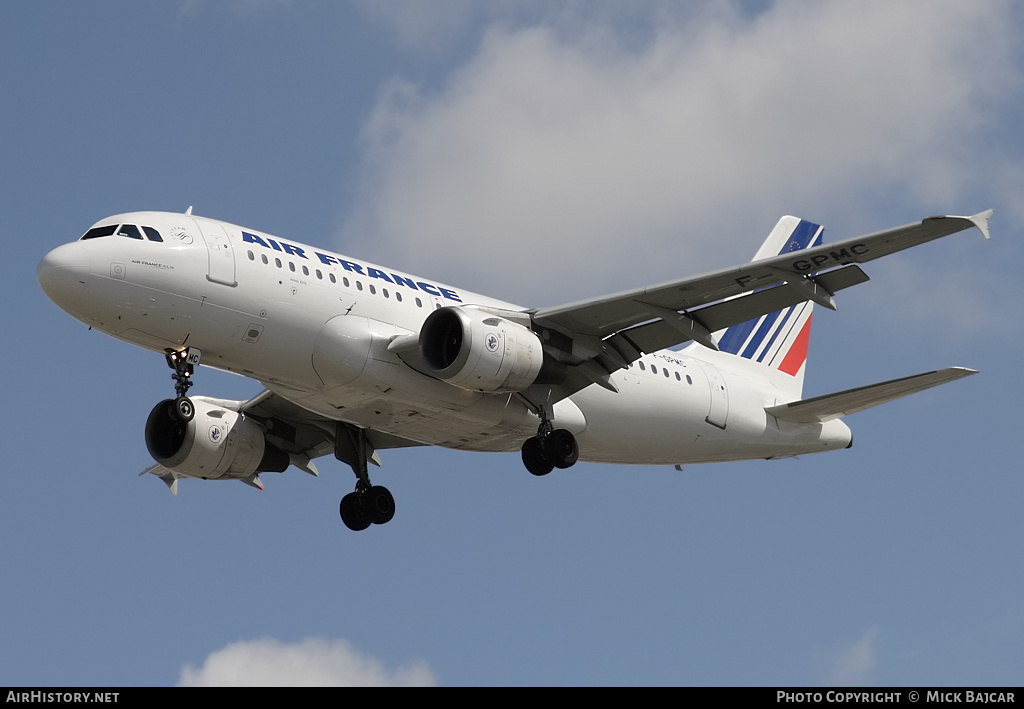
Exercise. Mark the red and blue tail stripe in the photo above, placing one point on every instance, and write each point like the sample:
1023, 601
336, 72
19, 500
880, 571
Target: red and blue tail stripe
778, 339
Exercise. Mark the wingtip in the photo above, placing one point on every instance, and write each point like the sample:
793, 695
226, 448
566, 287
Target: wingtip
980, 220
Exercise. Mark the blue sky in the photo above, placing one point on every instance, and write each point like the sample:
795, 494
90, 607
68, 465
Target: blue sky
541, 153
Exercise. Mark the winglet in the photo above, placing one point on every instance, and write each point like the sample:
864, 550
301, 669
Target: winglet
981, 221
169, 478
171, 482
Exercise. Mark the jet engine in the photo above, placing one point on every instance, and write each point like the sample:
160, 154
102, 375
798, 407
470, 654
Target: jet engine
477, 350
218, 443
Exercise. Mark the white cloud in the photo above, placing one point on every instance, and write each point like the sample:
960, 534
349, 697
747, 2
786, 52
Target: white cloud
421, 25
853, 665
313, 662
569, 157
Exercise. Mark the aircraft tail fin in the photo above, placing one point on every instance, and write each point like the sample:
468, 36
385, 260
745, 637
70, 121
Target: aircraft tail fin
779, 340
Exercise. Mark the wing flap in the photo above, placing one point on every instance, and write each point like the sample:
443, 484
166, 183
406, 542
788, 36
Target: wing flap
832, 406
658, 335
305, 435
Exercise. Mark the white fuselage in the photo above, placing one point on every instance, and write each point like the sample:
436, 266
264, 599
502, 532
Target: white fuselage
297, 319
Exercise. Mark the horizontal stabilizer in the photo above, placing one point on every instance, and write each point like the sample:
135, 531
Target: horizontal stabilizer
833, 406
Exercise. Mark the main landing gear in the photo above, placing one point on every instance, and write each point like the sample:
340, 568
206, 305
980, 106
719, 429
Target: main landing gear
183, 364
369, 504
551, 448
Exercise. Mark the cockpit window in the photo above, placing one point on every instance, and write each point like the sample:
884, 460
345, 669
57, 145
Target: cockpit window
152, 233
99, 231
129, 230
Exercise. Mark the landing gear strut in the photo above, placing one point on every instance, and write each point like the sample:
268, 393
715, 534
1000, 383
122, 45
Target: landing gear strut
182, 363
551, 448
369, 504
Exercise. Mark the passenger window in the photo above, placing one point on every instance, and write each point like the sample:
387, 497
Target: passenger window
291, 267
654, 370
319, 275
398, 296
678, 379
344, 279
373, 290
359, 285
252, 256
688, 380
333, 279
99, 231
305, 271
277, 261
385, 292
642, 367
130, 230
152, 233
419, 303
264, 257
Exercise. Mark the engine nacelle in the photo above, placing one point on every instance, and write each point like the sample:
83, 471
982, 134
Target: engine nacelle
218, 443
474, 349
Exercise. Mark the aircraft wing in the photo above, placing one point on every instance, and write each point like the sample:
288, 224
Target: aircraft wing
304, 435
600, 335
833, 406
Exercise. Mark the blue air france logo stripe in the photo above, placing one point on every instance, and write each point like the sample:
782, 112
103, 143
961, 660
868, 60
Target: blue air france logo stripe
351, 266
765, 342
779, 329
766, 327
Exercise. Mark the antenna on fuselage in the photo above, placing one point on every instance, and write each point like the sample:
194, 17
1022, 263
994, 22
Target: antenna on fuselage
189, 210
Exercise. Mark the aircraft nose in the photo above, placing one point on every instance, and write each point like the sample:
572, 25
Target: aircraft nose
62, 273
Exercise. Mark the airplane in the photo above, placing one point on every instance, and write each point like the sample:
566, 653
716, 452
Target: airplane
356, 358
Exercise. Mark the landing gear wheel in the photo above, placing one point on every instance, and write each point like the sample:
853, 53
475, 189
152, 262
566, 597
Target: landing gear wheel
561, 449
183, 409
534, 458
379, 504
369, 504
353, 513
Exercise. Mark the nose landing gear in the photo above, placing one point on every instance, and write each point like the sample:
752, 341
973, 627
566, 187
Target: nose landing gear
183, 363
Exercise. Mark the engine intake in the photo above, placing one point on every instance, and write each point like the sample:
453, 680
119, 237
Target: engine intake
476, 350
218, 443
